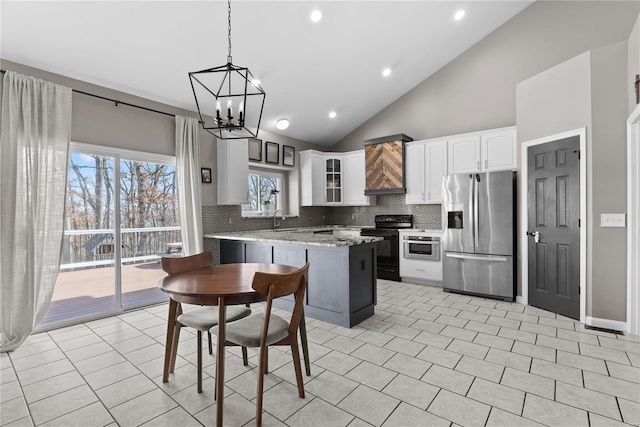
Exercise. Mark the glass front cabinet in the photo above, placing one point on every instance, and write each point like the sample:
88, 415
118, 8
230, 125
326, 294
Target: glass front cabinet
333, 173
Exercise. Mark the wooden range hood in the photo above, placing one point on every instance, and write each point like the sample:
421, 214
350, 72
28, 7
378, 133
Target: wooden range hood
384, 160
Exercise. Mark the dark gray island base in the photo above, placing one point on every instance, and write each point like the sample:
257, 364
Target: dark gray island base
342, 279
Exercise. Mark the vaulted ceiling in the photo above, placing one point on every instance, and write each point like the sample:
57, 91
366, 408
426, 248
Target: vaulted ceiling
307, 69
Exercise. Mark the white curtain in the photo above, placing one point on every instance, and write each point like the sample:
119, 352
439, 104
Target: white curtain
34, 150
188, 173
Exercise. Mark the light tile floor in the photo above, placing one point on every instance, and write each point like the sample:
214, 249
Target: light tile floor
425, 358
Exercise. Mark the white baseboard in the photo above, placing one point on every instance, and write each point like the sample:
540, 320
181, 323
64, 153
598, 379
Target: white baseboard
520, 300
616, 325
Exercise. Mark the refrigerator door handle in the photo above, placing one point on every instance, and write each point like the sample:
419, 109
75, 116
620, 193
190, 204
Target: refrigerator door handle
476, 225
478, 258
472, 208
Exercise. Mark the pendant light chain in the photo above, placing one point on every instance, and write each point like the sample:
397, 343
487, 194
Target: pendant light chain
229, 14
222, 87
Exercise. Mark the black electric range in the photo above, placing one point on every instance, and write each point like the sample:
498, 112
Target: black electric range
388, 250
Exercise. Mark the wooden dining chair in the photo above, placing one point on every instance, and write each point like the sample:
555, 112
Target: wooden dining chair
201, 319
265, 329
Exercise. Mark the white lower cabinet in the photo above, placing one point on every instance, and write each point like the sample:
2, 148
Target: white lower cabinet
420, 270
233, 171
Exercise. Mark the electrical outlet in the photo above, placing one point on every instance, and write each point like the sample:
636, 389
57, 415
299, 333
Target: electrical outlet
612, 220
353, 216
230, 222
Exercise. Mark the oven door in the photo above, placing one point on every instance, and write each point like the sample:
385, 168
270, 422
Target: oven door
388, 252
422, 249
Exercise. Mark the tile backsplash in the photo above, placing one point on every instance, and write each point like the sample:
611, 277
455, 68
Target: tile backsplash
229, 218
424, 216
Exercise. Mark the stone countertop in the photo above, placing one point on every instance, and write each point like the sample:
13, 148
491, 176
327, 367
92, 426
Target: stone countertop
298, 236
421, 230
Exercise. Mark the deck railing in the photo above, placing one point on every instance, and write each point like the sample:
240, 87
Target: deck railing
95, 248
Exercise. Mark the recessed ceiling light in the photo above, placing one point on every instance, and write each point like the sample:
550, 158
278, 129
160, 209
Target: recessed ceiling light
282, 124
459, 15
386, 72
332, 114
316, 16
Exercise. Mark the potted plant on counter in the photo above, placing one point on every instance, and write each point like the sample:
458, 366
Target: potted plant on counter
266, 207
270, 202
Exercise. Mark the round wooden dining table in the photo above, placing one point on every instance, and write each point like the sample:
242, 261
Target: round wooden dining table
221, 285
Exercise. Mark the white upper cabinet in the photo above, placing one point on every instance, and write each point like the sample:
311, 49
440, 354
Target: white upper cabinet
233, 171
464, 154
485, 151
426, 164
414, 172
436, 168
499, 149
312, 184
354, 179
334, 179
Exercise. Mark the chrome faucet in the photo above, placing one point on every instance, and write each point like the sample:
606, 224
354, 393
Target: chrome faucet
275, 223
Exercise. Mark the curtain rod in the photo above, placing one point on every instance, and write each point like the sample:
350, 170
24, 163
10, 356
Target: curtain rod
116, 101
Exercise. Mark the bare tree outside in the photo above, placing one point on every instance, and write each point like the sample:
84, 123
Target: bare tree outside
263, 191
148, 199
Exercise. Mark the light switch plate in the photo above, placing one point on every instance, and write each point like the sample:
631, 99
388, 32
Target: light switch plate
612, 220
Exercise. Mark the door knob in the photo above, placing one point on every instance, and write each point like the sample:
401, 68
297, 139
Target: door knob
535, 235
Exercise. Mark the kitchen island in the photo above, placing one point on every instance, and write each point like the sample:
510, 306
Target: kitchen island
342, 272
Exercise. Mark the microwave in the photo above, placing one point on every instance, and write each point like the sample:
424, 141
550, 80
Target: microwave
422, 247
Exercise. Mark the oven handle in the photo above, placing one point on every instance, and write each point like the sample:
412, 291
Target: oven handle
423, 242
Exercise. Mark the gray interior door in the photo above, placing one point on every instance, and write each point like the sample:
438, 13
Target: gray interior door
553, 194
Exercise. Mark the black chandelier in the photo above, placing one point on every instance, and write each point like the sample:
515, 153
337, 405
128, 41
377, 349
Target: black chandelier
229, 99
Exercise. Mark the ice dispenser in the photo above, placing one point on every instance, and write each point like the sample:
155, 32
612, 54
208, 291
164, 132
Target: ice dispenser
455, 219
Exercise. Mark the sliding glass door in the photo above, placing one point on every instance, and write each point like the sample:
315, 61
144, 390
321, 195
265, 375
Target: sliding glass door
121, 214
149, 226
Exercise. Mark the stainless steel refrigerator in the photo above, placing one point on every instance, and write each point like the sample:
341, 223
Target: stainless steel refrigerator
479, 240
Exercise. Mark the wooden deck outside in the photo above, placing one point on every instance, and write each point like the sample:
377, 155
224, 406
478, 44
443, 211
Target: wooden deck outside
88, 292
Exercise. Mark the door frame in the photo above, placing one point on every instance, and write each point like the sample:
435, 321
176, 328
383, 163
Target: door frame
117, 154
633, 222
524, 250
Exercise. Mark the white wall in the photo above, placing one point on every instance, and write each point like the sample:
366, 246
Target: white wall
477, 90
608, 186
100, 122
633, 63
589, 91
555, 101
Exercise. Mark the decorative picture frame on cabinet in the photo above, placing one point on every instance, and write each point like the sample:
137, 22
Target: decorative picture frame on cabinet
288, 155
206, 175
273, 152
255, 149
